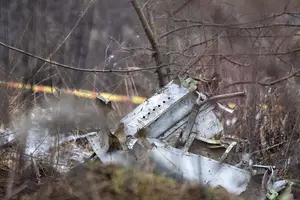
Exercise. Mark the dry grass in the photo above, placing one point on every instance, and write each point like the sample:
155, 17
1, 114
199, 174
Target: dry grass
102, 181
27, 181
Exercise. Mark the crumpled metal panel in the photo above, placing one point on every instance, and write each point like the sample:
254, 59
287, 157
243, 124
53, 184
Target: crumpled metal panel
199, 169
155, 107
207, 124
171, 117
169, 108
178, 164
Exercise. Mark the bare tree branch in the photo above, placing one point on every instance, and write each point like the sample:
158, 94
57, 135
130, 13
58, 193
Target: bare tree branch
227, 27
157, 55
235, 63
265, 83
234, 24
256, 54
79, 69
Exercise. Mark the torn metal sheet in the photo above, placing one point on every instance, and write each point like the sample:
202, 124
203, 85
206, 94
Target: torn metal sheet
170, 108
99, 143
102, 141
200, 169
173, 96
215, 150
178, 164
207, 124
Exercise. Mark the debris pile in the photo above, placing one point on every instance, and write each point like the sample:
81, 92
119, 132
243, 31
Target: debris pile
163, 131
177, 134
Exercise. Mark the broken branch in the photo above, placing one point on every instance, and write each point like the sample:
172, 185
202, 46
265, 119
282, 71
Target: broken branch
223, 97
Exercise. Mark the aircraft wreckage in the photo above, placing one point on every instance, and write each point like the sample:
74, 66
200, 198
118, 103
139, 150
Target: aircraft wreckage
161, 131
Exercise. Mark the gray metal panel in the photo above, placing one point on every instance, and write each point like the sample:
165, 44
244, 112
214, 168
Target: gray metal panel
169, 118
153, 108
122, 158
166, 108
99, 143
199, 169
182, 165
207, 124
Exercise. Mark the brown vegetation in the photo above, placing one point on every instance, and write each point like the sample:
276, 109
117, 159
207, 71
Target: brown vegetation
109, 182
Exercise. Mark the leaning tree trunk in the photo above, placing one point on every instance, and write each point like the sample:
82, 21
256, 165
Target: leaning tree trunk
4, 35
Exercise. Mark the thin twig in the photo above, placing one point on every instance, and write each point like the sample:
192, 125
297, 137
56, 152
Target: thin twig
180, 7
202, 25
234, 62
236, 24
